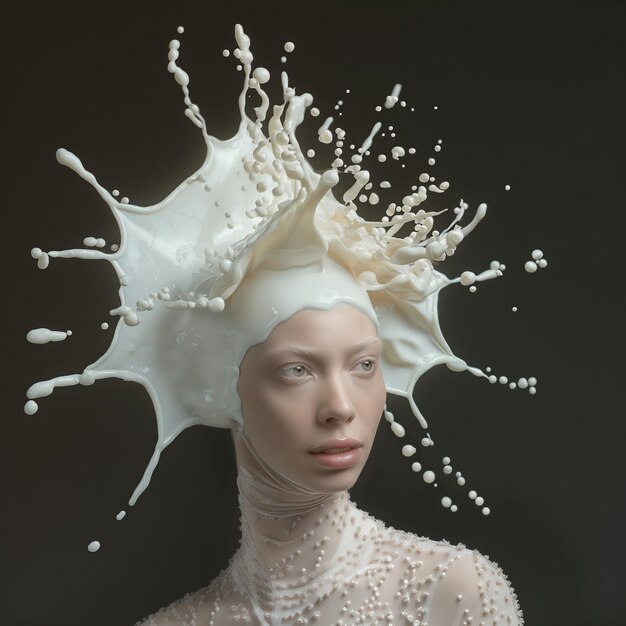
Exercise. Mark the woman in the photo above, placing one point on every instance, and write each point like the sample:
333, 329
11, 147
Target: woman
312, 394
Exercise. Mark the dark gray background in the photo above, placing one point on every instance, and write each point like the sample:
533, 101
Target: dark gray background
531, 96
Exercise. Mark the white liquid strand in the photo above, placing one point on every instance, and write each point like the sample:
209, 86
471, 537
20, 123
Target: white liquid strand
94, 546
367, 144
391, 100
92, 242
324, 133
45, 335
256, 178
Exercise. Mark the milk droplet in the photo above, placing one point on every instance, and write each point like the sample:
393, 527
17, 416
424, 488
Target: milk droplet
120, 516
397, 152
408, 450
468, 278
532, 381
514, 309
114, 247
486, 510
480, 501
460, 481
542, 263
326, 136
503, 380
532, 391
425, 442
225, 52
94, 546
472, 494
289, 46
180, 30
507, 187
446, 460
45, 335
104, 326
446, 502
447, 469
398, 429
429, 476
530, 267
536, 254
472, 289
115, 193
310, 153
454, 508
43, 261
261, 75
31, 407
416, 467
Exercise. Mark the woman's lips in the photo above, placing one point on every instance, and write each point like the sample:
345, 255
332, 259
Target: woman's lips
338, 457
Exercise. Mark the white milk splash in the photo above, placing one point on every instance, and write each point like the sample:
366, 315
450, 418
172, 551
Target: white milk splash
244, 185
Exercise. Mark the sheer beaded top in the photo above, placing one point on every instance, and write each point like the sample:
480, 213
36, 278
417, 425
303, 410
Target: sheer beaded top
326, 562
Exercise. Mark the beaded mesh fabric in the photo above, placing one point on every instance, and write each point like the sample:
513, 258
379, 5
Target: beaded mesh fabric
321, 560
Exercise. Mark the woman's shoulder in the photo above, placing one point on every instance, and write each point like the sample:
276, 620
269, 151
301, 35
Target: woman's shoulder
216, 604
450, 582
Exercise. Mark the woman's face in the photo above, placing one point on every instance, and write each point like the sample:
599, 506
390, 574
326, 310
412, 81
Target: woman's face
314, 383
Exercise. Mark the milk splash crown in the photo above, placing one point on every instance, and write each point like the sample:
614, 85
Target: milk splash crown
257, 200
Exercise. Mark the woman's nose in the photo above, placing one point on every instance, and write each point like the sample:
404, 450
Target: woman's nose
335, 402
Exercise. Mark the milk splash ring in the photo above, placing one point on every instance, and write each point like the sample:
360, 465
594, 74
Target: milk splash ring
257, 202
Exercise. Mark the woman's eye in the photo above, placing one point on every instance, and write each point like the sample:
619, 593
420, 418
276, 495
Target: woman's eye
298, 371
368, 365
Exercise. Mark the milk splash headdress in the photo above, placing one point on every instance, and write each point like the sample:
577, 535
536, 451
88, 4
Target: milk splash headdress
257, 207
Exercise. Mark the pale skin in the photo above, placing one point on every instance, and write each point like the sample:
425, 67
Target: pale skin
316, 377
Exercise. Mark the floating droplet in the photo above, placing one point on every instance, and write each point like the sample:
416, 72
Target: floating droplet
94, 546
408, 450
31, 407
398, 429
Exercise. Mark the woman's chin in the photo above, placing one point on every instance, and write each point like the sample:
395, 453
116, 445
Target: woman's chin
333, 481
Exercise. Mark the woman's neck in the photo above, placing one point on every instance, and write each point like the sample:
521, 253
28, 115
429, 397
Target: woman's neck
292, 535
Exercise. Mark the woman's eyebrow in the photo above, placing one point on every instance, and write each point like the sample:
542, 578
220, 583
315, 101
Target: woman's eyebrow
373, 341
313, 355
